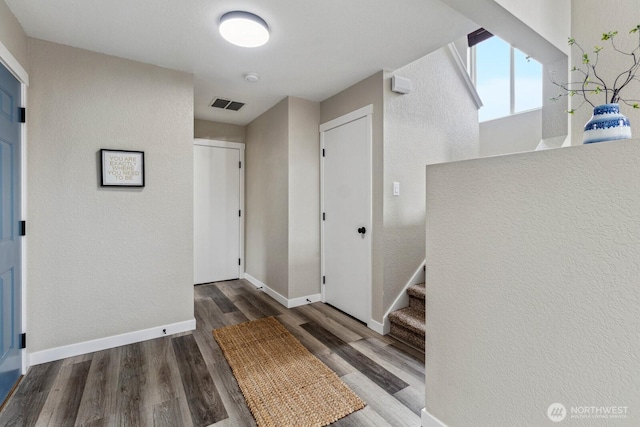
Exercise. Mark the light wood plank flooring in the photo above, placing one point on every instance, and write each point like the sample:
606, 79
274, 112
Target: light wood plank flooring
184, 380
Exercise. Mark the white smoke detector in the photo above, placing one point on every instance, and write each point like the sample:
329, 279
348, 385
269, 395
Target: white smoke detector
252, 77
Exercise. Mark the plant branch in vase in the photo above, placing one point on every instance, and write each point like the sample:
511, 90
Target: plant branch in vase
589, 83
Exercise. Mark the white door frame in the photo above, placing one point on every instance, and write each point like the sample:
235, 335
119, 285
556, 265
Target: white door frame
14, 67
363, 112
238, 146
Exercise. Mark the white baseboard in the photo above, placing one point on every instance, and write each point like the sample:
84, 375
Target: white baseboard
402, 300
429, 420
289, 303
382, 329
44, 356
296, 302
267, 290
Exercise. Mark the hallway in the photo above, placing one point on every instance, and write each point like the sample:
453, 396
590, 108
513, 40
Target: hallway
184, 379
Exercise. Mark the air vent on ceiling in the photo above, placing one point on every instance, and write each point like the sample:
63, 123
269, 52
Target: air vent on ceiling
227, 104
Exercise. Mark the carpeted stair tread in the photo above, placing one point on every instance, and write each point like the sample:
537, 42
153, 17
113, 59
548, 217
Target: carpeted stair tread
408, 337
408, 324
417, 303
410, 318
417, 291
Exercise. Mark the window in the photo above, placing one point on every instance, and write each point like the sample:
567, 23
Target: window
527, 82
507, 81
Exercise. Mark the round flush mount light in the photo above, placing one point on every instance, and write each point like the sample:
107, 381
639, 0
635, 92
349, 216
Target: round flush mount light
244, 29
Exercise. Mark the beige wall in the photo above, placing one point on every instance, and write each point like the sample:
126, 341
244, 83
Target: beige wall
434, 123
512, 134
12, 35
267, 198
304, 198
368, 91
219, 131
106, 261
409, 131
587, 28
532, 294
283, 198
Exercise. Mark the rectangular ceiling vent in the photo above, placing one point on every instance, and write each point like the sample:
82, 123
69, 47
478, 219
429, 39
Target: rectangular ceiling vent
227, 104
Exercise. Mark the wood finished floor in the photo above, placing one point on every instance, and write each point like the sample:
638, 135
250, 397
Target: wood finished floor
184, 380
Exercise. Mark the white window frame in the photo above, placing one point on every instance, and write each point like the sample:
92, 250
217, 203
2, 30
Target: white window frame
473, 56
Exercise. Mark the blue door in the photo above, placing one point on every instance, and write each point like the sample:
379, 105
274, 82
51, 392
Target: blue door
10, 289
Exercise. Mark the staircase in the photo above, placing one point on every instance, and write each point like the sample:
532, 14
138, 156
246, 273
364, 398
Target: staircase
408, 324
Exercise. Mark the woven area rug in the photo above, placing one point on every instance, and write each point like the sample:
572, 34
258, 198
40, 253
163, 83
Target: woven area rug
282, 382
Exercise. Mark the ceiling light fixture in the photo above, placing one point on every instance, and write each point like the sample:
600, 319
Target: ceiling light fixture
244, 29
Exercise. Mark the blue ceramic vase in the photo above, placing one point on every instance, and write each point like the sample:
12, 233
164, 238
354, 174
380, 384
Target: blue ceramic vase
606, 124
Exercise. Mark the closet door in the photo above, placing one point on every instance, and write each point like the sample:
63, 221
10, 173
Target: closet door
217, 213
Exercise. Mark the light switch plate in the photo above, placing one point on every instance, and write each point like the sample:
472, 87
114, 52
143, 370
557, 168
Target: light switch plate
396, 188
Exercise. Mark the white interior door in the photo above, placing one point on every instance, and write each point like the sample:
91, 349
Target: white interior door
217, 211
346, 225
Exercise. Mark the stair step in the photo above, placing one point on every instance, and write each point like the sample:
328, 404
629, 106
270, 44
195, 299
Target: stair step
410, 318
417, 303
408, 324
408, 337
403, 334
417, 291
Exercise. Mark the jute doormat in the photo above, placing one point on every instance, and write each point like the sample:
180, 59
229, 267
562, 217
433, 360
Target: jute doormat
282, 382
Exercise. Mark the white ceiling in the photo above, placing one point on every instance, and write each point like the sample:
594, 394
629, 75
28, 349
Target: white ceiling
317, 47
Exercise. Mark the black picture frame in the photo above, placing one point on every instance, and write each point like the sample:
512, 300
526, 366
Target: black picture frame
121, 168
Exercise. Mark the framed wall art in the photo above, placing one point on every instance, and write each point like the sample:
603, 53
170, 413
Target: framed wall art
122, 168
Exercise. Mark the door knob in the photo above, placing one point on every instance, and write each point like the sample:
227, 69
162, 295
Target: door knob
362, 230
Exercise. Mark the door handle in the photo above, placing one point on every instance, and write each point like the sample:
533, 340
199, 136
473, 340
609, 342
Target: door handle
362, 230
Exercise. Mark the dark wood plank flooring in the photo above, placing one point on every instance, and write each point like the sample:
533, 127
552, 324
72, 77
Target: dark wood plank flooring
184, 380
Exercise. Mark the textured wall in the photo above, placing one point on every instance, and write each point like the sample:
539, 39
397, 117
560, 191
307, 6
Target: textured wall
434, 123
511, 134
267, 198
587, 28
368, 91
283, 198
549, 18
102, 261
219, 131
304, 198
526, 26
533, 291
555, 120
12, 35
